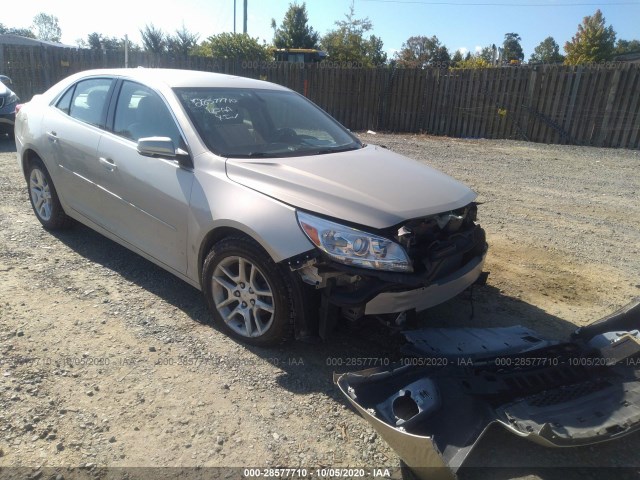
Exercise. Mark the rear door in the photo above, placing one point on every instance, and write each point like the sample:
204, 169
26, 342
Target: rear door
149, 196
74, 128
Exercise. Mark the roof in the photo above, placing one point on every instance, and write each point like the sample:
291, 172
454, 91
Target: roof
13, 39
183, 78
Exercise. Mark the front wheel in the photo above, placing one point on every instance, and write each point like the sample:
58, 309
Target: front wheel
248, 294
44, 198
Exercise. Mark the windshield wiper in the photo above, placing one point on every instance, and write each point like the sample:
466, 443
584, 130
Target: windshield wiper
336, 149
248, 155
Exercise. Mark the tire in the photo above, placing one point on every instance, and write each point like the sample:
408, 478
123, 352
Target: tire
44, 198
247, 293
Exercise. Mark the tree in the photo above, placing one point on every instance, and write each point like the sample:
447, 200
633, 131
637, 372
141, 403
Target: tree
547, 51
183, 43
23, 32
487, 54
46, 27
96, 41
153, 39
422, 51
294, 31
374, 51
511, 48
239, 46
347, 43
593, 42
456, 59
627, 46
473, 61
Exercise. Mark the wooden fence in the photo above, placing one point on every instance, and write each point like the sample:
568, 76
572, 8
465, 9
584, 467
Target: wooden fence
587, 105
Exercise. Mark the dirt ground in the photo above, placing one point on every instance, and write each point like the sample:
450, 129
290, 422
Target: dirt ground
108, 361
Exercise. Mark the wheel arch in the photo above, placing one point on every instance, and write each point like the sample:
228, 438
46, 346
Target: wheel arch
220, 233
28, 156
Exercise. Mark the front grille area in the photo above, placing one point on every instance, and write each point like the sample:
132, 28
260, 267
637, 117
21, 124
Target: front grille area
443, 243
423, 232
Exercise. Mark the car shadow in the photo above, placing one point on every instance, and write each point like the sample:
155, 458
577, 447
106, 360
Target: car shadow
7, 144
309, 368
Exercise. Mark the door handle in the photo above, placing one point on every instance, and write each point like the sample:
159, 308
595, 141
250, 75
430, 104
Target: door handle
53, 136
108, 163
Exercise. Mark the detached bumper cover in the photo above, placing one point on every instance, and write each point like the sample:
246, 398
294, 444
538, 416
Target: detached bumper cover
435, 407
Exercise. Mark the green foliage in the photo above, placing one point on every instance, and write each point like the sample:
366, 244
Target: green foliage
422, 51
487, 54
183, 42
97, 41
154, 40
23, 32
593, 42
294, 31
627, 46
346, 44
239, 46
473, 61
511, 48
547, 51
456, 59
46, 27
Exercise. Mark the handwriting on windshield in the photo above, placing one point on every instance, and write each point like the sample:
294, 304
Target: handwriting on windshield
204, 102
218, 107
222, 113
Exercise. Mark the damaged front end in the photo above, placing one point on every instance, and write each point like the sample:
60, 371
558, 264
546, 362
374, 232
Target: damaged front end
412, 266
434, 406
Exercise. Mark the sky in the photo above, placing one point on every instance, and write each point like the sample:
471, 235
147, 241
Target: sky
459, 24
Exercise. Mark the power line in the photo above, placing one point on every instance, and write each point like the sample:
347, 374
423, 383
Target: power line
495, 4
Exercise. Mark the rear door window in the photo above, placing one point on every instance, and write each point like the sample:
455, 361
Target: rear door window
89, 101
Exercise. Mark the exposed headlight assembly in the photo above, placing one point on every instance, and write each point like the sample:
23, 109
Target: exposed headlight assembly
354, 247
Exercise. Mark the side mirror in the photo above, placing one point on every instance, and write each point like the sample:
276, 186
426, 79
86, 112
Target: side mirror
156, 147
163, 147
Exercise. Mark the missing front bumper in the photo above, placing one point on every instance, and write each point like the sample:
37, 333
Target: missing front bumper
436, 405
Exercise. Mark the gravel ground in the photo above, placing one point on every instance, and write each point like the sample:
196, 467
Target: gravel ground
107, 360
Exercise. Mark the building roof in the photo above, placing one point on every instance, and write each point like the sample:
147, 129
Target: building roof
13, 39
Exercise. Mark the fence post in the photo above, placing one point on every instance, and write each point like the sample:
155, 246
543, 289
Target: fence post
613, 90
529, 106
44, 55
572, 99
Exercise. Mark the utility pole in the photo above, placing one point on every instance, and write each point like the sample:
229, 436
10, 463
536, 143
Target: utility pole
244, 29
126, 51
234, 16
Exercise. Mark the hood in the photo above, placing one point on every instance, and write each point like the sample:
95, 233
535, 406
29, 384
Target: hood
371, 186
4, 90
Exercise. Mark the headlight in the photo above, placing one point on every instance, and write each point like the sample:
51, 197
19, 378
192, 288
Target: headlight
12, 98
354, 247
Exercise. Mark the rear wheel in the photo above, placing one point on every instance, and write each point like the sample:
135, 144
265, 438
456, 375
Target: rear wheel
44, 198
248, 294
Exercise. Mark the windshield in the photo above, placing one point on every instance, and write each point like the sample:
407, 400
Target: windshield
248, 123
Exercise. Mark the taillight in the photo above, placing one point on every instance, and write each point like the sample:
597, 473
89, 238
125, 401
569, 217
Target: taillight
18, 107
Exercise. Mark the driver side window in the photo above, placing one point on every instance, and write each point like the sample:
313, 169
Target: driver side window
141, 113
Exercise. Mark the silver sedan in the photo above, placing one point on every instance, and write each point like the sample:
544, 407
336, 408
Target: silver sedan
251, 193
